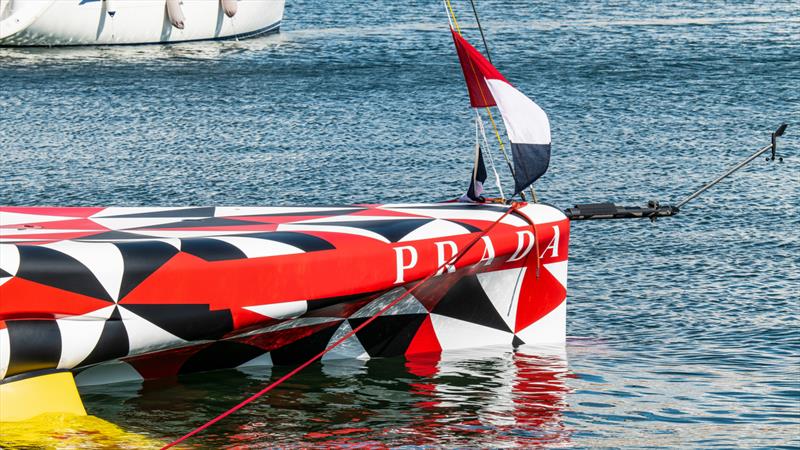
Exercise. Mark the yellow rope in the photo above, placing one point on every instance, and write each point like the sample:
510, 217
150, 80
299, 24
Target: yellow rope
453, 14
488, 111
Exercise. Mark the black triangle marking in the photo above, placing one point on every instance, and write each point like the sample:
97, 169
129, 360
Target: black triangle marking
470, 228
467, 301
302, 213
113, 342
55, 269
205, 222
516, 342
341, 307
4, 274
388, 335
304, 242
114, 235
211, 249
304, 348
207, 211
140, 259
519, 216
220, 355
392, 230
188, 322
33, 345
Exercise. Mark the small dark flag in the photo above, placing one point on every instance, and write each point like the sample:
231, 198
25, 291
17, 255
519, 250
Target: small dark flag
478, 178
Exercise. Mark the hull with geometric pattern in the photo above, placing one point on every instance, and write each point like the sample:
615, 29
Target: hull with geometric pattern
115, 294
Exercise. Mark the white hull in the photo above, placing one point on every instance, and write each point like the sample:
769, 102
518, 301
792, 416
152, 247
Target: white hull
103, 22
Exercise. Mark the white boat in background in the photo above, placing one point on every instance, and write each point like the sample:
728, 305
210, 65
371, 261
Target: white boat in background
103, 22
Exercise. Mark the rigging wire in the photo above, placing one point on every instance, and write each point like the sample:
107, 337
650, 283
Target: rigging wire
449, 8
480, 28
479, 124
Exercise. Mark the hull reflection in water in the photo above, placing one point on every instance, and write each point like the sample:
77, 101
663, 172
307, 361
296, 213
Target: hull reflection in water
507, 399
485, 397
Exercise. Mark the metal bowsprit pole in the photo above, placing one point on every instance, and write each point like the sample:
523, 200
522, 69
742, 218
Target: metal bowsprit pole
773, 146
653, 209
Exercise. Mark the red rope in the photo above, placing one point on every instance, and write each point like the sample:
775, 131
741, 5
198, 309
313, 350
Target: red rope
355, 330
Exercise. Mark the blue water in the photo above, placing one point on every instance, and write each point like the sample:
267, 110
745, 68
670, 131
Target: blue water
682, 333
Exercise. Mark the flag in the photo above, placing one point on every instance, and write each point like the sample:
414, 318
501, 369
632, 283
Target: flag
479, 175
526, 123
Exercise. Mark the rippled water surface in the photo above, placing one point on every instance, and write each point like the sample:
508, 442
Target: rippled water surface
682, 333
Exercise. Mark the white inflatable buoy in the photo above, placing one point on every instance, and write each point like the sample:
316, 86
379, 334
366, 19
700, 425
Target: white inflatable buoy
175, 14
230, 7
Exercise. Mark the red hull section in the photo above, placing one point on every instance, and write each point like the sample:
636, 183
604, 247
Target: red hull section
120, 293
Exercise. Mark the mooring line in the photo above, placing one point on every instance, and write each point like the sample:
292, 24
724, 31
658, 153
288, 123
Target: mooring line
514, 206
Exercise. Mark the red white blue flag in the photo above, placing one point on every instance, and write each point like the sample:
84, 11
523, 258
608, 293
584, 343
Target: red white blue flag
526, 123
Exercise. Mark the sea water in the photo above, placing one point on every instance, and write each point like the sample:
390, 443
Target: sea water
682, 333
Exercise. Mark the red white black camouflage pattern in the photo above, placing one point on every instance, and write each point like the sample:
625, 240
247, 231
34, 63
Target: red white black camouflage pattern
132, 293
